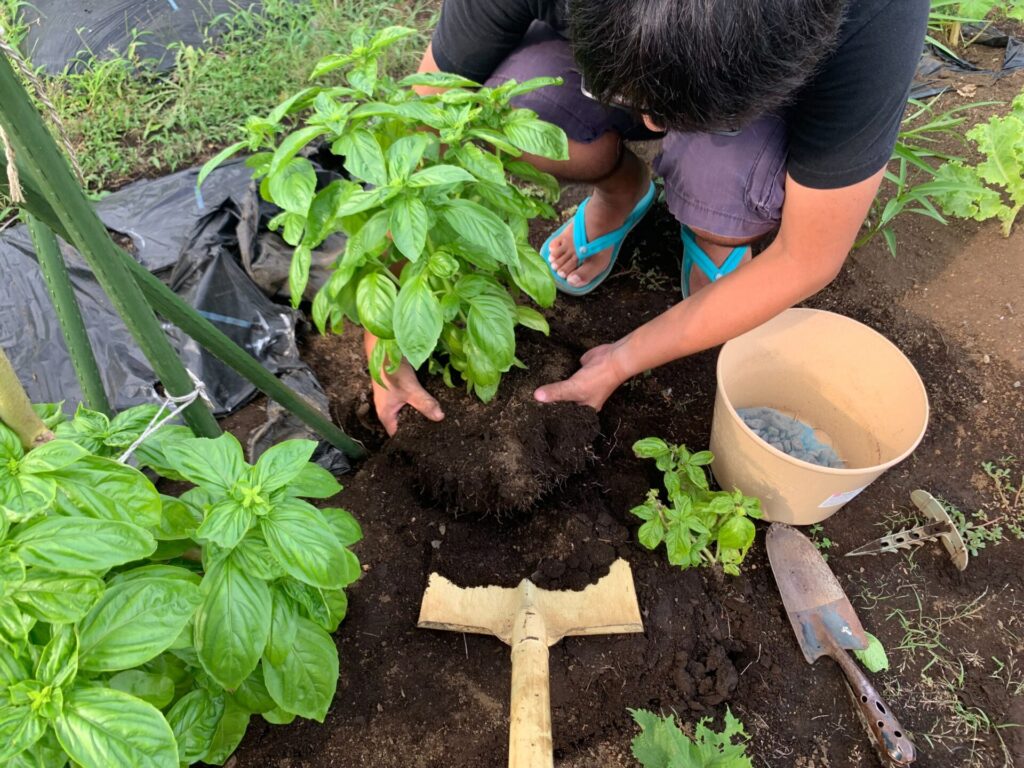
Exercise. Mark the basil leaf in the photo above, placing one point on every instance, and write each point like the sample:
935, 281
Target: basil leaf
58, 663
737, 533
253, 695
152, 688
209, 463
103, 488
305, 547
178, 520
283, 627
253, 556
134, 622
650, 448
364, 159
13, 668
232, 623
292, 187
194, 719
229, 732
102, 727
482, 228
531, 134
305, 683
532, 319
482, 164
313, 482
14, 625
438, 175
51, 456
226, 523
408, 222
405, 155
491, 328
344, 526
282, 463
533, 277
375, 302
82, 544
58, 598
417, 320
20, 728
298, 273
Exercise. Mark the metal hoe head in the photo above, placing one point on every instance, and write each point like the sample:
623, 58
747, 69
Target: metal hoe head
607, 607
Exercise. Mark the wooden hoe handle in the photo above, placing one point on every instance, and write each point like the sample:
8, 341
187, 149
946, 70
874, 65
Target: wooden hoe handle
530, 711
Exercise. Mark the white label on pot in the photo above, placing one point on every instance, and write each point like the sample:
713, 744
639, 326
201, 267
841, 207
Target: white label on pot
840, 498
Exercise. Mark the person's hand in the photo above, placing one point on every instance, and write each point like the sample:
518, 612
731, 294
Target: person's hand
402, 388
592, 384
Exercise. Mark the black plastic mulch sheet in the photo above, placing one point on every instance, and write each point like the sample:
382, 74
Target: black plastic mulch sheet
62, 31
937, 65
193, 249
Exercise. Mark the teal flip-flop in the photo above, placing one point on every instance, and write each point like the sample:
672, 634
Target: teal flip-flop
585, 249
694, 256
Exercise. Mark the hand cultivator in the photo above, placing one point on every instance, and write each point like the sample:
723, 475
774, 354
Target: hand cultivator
941, 527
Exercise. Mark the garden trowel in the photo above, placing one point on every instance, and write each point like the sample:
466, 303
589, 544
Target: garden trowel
530, 619
826, 625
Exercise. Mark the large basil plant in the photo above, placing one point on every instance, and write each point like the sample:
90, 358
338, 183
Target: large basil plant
436, 209
140, 629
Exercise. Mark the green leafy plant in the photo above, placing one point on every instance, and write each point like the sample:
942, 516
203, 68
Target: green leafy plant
436, 209
817, 535
662, 744
994, 188
873, 657
913, 159
698, 526
137, 628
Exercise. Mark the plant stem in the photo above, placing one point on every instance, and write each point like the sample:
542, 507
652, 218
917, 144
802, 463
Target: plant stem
16, 409
41, 161
62, 294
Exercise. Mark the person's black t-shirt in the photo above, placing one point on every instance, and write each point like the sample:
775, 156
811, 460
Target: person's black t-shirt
842, 124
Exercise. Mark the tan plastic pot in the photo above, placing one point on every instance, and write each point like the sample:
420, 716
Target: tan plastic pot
859, 392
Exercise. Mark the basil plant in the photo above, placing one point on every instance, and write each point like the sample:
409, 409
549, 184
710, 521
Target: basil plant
436, 208
143, 629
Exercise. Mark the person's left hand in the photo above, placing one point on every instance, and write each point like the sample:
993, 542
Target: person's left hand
592, 384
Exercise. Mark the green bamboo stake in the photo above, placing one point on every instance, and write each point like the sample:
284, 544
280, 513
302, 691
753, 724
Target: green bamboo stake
38, 157
171, 306
69, 314
16, 409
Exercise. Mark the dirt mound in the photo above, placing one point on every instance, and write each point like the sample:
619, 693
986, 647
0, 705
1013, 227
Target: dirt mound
501, 457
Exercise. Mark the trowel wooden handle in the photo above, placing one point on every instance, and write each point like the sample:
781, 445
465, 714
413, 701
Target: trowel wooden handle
529, 743
892, 741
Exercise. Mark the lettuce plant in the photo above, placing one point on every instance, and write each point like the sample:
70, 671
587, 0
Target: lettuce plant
141, 629
994, 188
662, 744
436, 209
698, 526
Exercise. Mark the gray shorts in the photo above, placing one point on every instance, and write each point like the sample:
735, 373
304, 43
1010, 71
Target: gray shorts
729, 185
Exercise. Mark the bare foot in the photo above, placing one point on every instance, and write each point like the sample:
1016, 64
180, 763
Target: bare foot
607, 210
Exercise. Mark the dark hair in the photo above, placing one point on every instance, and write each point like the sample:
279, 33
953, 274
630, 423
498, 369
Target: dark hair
701, 64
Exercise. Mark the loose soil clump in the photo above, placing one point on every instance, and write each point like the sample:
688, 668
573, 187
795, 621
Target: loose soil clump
501, 457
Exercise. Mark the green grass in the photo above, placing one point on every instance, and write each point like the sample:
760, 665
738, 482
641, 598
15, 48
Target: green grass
125, 120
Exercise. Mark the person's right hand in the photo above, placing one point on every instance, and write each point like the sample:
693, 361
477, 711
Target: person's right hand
402, 389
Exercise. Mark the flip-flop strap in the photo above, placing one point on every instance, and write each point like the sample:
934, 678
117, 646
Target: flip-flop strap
585, 249
694, 255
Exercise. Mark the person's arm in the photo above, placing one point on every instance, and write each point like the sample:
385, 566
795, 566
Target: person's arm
818, 229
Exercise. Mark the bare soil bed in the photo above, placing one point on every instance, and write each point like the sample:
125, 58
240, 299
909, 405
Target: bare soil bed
420, 699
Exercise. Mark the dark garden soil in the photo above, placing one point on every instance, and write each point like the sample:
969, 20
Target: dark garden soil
953, 301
